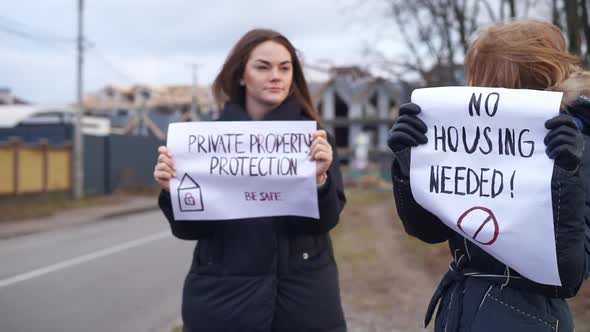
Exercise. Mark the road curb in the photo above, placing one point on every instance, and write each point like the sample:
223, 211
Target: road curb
129, 212
19, 228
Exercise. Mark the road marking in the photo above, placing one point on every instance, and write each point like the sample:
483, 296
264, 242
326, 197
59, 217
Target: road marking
82, 259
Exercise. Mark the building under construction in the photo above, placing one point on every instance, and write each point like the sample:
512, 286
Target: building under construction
350, 101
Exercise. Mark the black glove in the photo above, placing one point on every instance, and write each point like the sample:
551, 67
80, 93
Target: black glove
564, 142
408, 130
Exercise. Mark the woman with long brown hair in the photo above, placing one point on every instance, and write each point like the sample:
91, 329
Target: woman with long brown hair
480, 293
274, 273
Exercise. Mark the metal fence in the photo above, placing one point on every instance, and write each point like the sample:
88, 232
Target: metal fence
34, 167
38, 159
118, 162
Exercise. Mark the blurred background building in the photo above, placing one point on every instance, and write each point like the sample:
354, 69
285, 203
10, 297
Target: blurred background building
369, 60
123, 126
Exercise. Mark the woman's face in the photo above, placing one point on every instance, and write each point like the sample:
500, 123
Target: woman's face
268, 75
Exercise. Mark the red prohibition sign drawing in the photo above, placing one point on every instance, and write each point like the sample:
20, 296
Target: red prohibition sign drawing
475, 223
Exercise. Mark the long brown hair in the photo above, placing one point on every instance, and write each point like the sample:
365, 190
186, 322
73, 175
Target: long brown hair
227, 88
523, 54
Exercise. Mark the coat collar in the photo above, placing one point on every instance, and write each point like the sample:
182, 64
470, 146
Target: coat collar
288, 110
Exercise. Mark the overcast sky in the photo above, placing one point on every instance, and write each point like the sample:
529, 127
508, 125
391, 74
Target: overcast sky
153, 41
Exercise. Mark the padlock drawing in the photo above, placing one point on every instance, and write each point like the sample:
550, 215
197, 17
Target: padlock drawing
190, 197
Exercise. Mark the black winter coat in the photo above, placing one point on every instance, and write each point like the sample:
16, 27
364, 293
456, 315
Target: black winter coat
585, 173
481, 294
264, 274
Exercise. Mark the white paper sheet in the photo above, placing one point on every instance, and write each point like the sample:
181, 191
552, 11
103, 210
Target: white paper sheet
495, 190
235, 170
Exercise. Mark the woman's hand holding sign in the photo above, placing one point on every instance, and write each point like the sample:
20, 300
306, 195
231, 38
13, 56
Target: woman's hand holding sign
321, 151
164, 169
564, 142
408, 130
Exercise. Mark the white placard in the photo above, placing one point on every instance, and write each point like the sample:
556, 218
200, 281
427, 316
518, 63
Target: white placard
235, 170
485, 174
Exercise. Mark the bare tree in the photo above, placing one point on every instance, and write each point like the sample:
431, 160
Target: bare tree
577, 26
436, 33
585, 22
555, 14
512, 7
573, 33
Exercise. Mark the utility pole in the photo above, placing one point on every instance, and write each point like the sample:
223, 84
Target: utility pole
195, 99
78, 155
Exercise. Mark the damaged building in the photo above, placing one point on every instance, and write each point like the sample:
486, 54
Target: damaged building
351, 102
147, 111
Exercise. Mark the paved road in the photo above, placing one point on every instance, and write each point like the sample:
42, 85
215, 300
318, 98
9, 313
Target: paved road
124, 274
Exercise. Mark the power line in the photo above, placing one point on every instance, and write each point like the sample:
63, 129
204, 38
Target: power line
99, 55
22, 30
28, 36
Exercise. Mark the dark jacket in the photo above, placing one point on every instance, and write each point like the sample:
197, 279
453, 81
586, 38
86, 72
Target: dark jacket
479, 293
582, 116
585, 173
264, 274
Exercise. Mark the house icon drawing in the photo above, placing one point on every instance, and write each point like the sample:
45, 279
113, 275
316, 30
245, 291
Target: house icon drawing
189, 195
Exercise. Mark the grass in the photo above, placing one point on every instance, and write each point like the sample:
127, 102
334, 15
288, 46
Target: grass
42, 205
356, 246
140, 190
357, 198
350, 252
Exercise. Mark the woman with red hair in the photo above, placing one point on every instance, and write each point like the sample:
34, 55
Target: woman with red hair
480, 293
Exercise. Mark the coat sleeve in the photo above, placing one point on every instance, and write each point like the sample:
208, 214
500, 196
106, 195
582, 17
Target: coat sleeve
568, 201
417, 221
331, 201
184, 229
